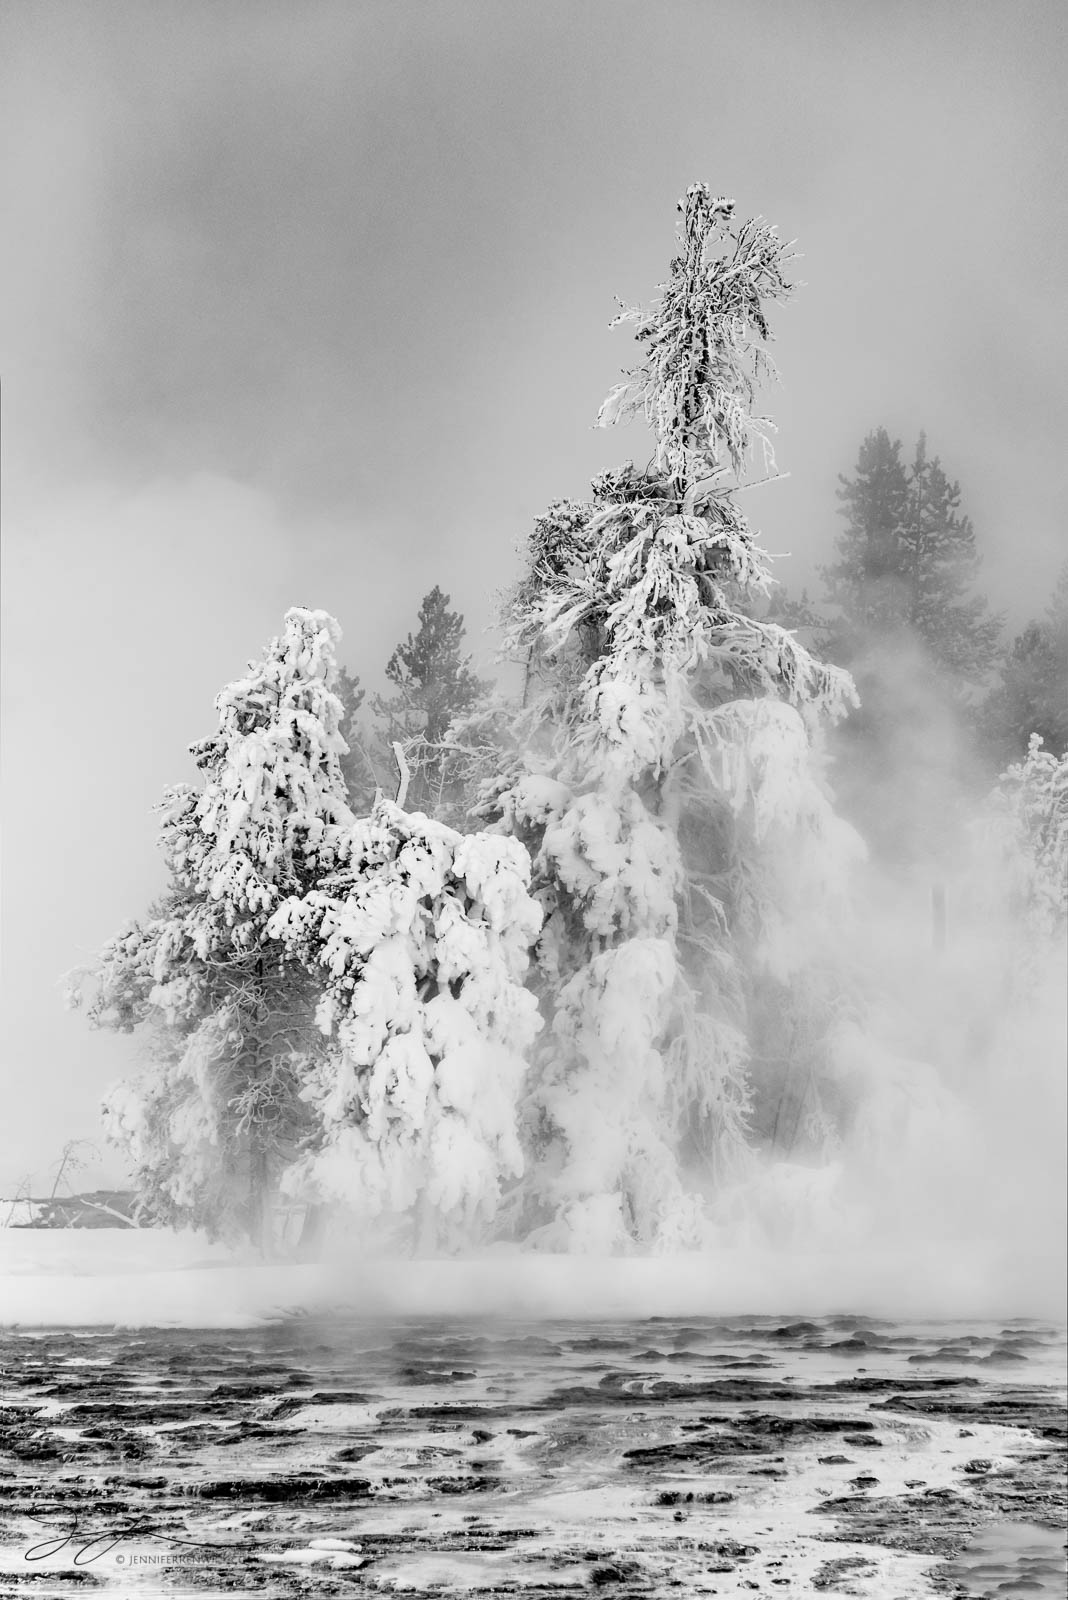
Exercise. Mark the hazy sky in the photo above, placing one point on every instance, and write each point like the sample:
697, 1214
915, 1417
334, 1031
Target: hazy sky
307, 303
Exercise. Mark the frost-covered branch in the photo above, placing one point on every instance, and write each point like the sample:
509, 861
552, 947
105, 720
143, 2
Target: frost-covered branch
404, 772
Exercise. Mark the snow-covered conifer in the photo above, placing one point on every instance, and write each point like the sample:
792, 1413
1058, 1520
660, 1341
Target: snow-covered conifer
1030, 811
421, 940
665, 780
335, 1007
218, 1113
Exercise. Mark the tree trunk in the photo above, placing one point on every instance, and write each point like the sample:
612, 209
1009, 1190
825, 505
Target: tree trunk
261, 1232
311, 1233
425, 1241
259, 1210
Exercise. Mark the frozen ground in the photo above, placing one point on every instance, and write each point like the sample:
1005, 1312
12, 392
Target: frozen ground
398, 1447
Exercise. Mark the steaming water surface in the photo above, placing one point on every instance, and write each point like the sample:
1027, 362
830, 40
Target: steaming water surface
716, 1456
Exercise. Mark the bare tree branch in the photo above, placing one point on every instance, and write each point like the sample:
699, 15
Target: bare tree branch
405, 773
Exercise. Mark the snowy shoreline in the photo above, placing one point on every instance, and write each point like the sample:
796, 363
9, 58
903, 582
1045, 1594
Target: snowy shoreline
94, 1278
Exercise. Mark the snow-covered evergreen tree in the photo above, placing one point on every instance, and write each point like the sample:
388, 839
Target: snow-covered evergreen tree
1030, 811
332, 1006
218, 1115
664, 782
421, 944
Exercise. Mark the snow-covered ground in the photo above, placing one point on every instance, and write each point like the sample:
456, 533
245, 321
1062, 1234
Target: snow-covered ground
155, 1277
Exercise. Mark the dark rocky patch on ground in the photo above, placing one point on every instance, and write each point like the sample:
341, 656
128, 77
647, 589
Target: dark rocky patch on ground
840, 1575
293, 1487
932, 1521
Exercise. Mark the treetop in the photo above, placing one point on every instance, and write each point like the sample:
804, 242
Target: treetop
704, 339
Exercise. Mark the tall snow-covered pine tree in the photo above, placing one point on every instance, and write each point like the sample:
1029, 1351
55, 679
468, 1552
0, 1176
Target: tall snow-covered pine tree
664, 787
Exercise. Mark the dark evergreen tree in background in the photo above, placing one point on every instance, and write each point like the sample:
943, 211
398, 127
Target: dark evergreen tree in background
798, 613
359, 766
906, 565
958, 630
921, 644
434, 684
864, 582
1031, 695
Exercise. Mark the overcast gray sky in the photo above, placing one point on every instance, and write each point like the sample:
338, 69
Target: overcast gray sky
308, 303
